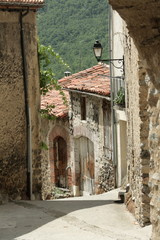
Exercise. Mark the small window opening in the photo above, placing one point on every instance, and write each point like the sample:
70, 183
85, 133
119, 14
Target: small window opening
83, 108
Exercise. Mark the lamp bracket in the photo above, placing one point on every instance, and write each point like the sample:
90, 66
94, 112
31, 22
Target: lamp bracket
116, 63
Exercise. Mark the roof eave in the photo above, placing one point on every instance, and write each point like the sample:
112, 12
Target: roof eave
107, 96
7, 5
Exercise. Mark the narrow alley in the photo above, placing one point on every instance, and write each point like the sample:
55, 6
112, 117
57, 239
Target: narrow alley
88, 217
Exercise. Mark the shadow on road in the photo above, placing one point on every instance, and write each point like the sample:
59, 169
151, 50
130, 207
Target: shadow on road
22, 217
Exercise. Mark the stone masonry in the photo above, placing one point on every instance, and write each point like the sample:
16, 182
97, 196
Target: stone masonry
79, 154
137, 131
142, 19
49, 131
93, 129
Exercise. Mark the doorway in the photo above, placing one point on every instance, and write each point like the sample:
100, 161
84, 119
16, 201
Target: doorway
60, 162
87, 168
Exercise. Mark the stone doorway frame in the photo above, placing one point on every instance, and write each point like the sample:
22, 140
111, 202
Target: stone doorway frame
59, 131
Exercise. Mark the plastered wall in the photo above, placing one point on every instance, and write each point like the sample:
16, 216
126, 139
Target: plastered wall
13, 164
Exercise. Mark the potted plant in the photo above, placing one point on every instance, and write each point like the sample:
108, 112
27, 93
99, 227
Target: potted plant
120, 98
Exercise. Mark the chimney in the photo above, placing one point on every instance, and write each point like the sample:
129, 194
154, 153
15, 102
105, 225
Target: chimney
67, 73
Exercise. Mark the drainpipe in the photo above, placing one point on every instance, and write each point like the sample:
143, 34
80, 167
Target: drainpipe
114, 140
27, 108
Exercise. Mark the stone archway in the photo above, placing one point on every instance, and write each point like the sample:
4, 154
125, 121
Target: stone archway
59, 157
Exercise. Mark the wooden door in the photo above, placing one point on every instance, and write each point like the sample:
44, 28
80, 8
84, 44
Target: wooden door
60, 160
86, 166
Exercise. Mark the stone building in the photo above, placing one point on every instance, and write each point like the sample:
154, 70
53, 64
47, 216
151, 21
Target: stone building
133, 123
141, 53
87, 133
57, 144
90, 124
19, 99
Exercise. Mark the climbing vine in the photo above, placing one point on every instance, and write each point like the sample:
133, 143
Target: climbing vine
47, 76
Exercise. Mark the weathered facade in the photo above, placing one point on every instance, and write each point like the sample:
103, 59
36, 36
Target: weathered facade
80, 154
137, 132
142, 62
56, 144
56, 157
135, 124
19, 99
90, 125
92, 144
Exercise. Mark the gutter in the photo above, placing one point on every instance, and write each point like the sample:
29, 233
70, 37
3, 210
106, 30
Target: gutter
87, 93
27, 108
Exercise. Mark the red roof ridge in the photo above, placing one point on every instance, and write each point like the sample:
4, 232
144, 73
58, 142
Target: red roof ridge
94, 79
100, 65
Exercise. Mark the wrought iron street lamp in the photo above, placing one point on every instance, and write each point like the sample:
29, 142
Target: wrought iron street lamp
117, 63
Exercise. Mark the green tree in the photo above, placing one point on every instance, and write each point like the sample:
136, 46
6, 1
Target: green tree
71, 28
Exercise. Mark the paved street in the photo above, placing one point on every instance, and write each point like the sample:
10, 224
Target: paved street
85, 218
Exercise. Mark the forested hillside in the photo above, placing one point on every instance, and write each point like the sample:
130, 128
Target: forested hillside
71, 28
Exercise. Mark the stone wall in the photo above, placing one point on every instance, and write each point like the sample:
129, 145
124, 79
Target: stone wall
93, 129
13, 162
142, 19
154, 143
137, 133
70, 130
50, 129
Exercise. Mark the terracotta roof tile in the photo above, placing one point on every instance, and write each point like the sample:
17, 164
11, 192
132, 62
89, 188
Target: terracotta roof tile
54, 98
95, 80
21, 2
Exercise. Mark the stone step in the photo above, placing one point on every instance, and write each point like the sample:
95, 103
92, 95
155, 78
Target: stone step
64, 189
61, 193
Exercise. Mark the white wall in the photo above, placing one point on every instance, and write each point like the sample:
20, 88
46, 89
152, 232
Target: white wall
119, 116
117, 35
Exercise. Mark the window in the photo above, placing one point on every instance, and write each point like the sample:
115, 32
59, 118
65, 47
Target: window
83, 108
107, 129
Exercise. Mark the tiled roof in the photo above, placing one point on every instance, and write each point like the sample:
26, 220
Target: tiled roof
21, 2
94, 80
54, 98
